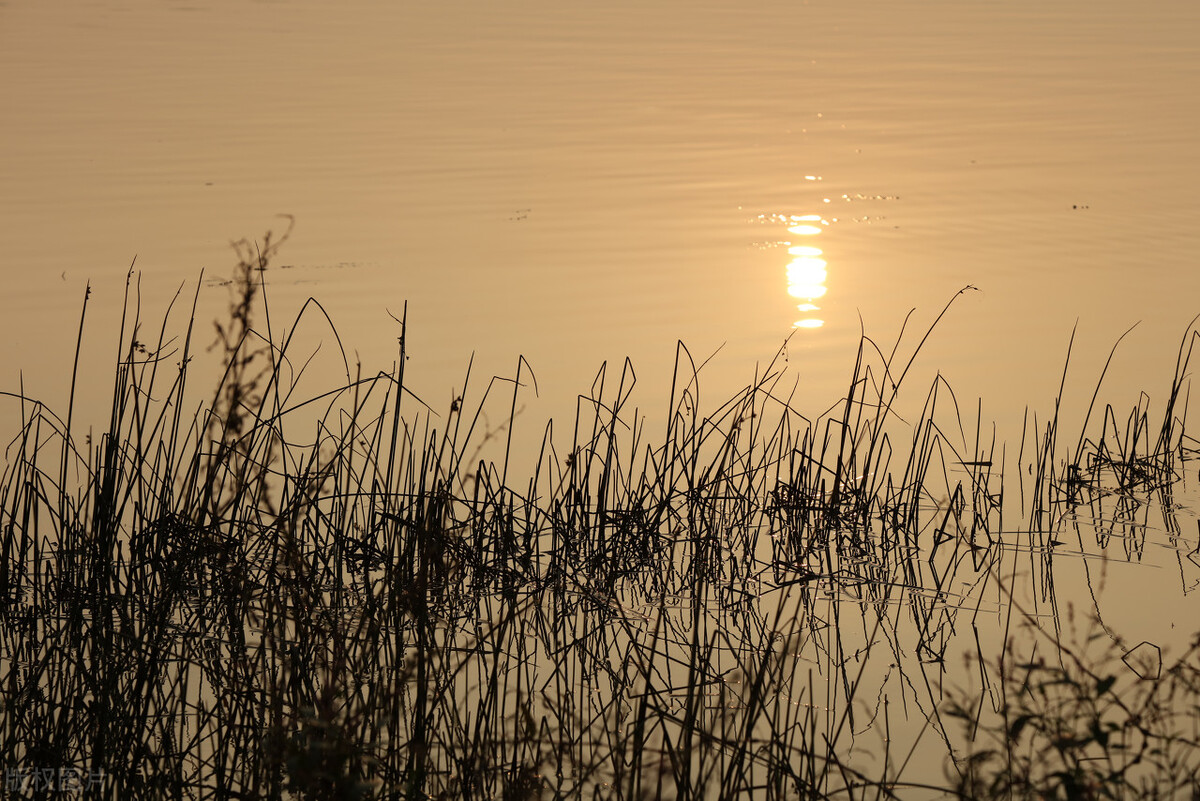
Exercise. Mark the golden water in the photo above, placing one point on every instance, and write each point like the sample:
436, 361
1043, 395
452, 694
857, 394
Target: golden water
576, 183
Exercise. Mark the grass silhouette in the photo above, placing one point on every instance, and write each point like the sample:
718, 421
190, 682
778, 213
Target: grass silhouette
350, 596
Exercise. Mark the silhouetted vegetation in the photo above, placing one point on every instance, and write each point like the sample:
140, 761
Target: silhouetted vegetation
351, 596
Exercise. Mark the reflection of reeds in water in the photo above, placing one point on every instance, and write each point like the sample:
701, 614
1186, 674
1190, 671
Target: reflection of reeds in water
216, 608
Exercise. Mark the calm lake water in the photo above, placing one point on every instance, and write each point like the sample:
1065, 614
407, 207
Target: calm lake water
577, 183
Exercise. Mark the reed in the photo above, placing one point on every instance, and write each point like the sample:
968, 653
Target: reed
350, 596
1096, 718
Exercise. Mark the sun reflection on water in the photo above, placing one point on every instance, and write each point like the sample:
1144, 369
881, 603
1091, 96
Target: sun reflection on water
806, 271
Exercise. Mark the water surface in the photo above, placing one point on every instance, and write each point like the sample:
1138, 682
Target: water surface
576, 183
580, 184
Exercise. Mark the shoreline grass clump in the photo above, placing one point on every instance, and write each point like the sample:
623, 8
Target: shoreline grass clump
1066, 722
352, 595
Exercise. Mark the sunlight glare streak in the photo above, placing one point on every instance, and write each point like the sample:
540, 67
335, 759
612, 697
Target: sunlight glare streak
808, 268
806, 272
